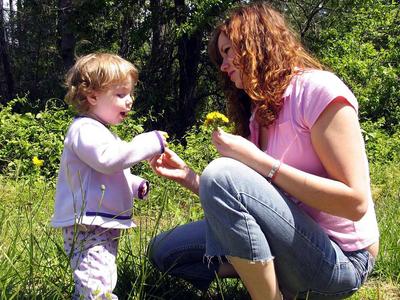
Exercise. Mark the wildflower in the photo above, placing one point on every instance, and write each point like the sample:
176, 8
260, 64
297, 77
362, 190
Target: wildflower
37, 162
215, 119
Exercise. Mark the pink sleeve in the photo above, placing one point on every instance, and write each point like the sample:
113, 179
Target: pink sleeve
319, 89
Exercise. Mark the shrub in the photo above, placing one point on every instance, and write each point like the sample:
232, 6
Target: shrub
25, 136
381, 147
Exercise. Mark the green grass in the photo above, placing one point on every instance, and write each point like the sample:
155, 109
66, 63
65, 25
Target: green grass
33, 264
386, 191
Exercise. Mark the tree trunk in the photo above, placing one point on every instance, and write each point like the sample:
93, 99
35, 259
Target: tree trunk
66, 37
5, 59
126, 26
189, 46
156, 28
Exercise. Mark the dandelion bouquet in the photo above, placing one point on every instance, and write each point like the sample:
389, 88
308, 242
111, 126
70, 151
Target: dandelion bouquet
215, 119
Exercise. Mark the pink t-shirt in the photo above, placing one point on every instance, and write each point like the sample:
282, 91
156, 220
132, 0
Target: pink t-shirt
289, 139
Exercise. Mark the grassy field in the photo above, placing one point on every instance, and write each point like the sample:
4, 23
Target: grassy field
34, 266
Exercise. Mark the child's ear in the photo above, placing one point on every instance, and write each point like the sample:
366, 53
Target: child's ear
91, 98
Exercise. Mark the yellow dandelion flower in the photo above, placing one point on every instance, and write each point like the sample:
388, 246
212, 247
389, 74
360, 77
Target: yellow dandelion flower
37, 162
215, 119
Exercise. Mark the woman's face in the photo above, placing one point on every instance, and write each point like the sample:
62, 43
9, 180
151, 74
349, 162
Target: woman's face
228, 54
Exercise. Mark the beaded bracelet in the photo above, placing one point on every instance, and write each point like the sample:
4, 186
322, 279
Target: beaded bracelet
274, 170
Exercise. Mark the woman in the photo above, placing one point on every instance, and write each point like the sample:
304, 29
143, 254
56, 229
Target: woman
288, 206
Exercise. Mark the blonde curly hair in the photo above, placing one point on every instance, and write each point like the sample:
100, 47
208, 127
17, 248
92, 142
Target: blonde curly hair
96, 72
268, 54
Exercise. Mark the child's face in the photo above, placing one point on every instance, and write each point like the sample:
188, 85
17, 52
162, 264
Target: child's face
112, 105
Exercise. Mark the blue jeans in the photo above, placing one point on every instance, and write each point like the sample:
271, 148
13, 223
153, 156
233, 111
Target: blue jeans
247, 217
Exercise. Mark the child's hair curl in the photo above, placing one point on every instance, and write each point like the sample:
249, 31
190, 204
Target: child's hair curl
96, 72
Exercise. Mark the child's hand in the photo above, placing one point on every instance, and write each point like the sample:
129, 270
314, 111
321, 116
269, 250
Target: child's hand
143, 190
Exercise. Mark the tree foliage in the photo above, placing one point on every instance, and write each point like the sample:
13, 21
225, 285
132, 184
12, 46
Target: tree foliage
167, 40
364, 50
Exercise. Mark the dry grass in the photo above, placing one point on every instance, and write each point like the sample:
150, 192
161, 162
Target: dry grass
375, 289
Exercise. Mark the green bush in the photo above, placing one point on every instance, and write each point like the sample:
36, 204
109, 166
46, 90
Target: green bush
24, 136
381, 147
362, 48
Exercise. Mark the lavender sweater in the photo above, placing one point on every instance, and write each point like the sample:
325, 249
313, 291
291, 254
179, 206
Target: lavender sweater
95, 185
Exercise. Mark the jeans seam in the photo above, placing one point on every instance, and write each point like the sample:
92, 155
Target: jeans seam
250, 237
238, 198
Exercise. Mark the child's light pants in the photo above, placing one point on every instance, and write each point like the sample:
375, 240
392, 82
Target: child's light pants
92, 251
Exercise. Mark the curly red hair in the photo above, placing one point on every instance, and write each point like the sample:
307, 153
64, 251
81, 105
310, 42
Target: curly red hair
268, 53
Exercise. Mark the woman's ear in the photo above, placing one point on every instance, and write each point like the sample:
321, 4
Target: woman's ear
91, 98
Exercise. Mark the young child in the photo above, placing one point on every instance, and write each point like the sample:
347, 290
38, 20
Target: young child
95, 188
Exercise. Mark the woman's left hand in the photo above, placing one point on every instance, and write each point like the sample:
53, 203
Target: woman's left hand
234, 146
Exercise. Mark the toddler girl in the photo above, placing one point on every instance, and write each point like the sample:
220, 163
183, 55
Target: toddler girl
95, 187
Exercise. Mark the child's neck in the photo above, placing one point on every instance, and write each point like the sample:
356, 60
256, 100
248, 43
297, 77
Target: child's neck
94, 117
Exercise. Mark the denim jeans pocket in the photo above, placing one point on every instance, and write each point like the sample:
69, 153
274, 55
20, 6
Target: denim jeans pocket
363, 263
358, 266
370, 267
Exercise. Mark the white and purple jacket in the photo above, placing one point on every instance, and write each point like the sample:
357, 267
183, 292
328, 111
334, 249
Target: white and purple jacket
95, 185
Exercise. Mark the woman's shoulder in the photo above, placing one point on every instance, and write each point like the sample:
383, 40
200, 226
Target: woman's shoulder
315, 90
324, 83
318, 77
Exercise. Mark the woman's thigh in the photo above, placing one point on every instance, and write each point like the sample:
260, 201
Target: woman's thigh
253, 219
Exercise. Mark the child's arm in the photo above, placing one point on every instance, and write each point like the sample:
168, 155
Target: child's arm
96, 146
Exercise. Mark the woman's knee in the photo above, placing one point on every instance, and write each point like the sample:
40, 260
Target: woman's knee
156, 252
219, 167
180, 245
219, 174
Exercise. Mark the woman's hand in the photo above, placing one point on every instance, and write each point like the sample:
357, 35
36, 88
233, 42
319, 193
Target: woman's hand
171, 166
235, 146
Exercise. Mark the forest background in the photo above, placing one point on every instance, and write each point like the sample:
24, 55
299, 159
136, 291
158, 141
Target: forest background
359, 40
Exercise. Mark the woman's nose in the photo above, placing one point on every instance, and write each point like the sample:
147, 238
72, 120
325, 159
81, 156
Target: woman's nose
224, 66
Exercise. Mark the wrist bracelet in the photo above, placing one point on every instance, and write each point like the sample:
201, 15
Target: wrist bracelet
274, 169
